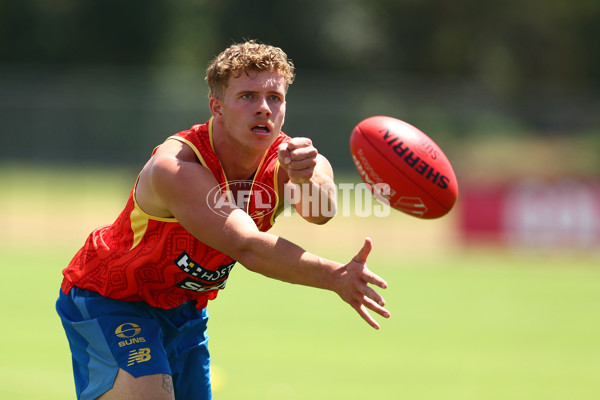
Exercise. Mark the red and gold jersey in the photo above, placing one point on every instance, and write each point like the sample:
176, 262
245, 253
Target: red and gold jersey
145, 258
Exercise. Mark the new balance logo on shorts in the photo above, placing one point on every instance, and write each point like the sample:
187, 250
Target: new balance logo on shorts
138, 356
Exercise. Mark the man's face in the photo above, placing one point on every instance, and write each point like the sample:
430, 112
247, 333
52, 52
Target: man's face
252, 108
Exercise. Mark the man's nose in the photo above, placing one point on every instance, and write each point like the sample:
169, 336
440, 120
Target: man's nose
263, 107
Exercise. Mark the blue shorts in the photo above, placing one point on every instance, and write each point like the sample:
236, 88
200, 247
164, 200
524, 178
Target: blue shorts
105, 335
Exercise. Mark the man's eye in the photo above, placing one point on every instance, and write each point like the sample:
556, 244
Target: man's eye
275, 98
247, 96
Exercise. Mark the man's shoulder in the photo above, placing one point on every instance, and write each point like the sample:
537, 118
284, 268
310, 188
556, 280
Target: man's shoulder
194, 130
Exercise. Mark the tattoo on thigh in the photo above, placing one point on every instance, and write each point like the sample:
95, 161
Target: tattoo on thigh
167, 383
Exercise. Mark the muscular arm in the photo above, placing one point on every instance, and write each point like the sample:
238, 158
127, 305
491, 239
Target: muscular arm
311, 188
174, 183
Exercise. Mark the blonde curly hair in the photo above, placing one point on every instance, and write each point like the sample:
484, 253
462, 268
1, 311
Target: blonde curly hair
242, 57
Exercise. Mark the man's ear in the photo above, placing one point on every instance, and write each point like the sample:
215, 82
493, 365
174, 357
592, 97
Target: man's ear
215, 106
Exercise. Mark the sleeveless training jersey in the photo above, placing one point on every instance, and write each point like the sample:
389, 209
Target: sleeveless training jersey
144, 258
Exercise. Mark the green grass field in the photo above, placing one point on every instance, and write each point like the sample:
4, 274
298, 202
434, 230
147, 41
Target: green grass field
466, 324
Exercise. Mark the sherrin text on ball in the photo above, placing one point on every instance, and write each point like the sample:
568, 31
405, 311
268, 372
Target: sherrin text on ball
421, 180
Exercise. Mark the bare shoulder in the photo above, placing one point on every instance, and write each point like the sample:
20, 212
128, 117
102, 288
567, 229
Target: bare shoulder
169, 172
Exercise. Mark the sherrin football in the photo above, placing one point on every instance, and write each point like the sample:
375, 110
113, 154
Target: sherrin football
388, 151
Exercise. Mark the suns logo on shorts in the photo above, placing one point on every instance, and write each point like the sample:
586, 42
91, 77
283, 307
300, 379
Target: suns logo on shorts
138, 356
129, 331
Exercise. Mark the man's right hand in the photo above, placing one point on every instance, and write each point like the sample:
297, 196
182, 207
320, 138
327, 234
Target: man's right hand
353, 287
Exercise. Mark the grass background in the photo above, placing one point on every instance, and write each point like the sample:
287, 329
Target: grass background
466, 323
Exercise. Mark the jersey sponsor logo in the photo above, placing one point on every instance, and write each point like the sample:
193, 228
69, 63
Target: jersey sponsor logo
196, 286
138, 356
203, 279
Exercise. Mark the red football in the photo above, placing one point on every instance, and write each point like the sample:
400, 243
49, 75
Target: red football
421, 180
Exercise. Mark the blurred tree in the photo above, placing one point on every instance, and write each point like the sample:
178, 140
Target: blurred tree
317, 34
81, 32
461, 69
501, 43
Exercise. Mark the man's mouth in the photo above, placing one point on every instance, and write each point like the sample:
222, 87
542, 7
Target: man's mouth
261, 128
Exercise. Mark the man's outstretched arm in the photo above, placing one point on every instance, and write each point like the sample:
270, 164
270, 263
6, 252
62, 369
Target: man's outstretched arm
177, 184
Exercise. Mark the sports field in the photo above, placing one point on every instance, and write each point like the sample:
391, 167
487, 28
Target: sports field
466, 324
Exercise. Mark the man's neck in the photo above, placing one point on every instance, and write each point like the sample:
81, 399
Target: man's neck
238, 163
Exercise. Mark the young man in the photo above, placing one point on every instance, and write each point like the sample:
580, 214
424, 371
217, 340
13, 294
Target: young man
133, 299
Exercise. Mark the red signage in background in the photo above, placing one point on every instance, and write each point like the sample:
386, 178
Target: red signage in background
533, 214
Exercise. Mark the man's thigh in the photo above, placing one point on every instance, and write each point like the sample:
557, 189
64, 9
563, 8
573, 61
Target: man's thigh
106, 337
148, 387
